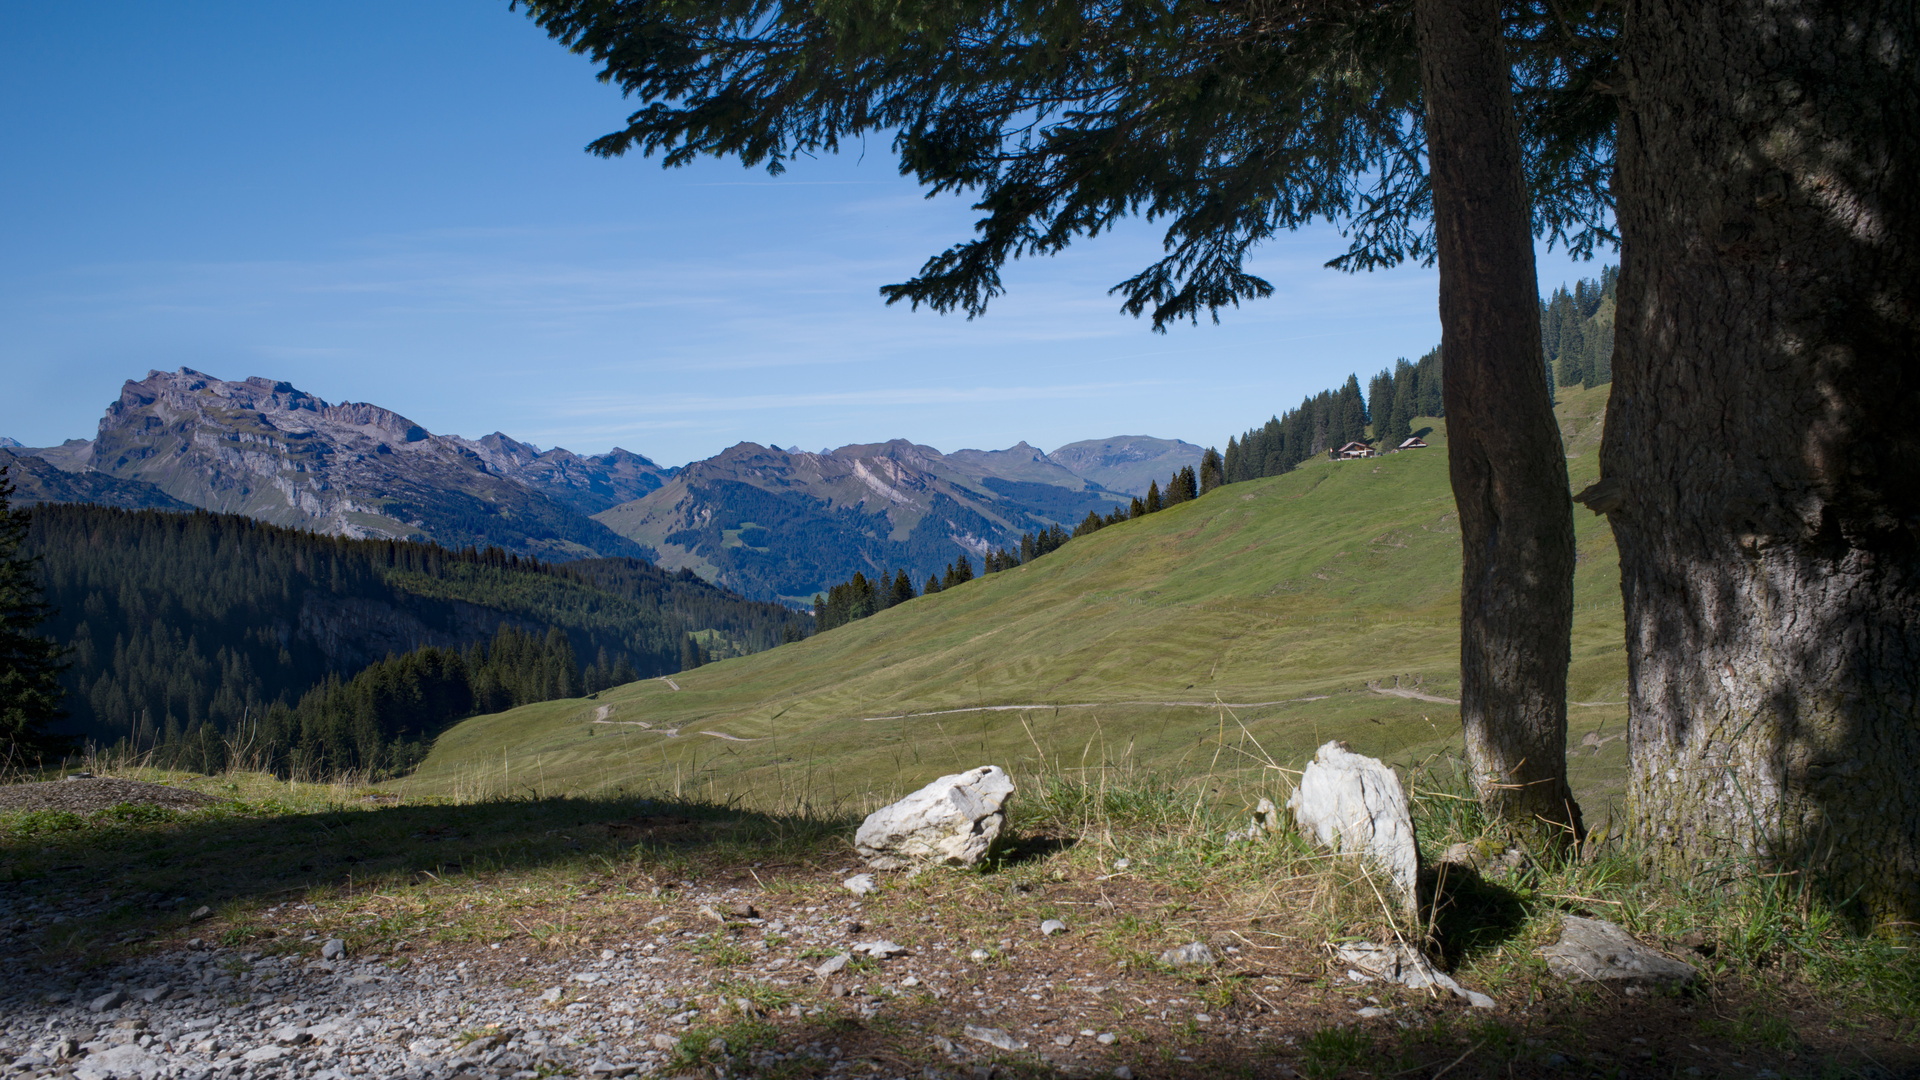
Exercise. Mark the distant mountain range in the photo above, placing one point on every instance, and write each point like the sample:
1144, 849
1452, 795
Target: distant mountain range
767, 522
773, 523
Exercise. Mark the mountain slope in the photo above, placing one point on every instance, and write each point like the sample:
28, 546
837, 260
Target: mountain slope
1246, 623
1127, 462
773, 523
37, 480
270, 451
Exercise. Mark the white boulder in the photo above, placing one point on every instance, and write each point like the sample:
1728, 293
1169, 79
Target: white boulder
952, 820
1354, 804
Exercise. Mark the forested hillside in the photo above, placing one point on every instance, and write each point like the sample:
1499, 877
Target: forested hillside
1576, 338
184, 626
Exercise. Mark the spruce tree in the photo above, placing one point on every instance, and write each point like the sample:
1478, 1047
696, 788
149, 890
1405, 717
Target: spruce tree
30, 665
1213, 471
902, 588
933, 585
1154, 501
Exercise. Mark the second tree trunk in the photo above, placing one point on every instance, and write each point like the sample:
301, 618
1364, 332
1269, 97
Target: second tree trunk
1508, 466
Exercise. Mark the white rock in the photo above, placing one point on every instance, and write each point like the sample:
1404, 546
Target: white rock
262, 1054
1121, 1072
1594, 950
552, 994
1192, 954
952, 820
122, 1062
666, 1042
1266, 819
880, 948
1106, 1038
1404, 965
860, 884
1354, 804
994, 1037
832, 967
334, 949
1052, 927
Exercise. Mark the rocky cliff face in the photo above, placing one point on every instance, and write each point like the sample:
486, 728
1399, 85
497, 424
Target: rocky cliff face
774, 523
271, 451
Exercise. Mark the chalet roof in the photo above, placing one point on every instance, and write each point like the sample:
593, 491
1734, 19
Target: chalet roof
1355, 446
1412, 443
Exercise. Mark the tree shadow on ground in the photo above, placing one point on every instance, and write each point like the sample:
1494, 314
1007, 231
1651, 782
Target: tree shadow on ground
1470, 913
1015, 850
71, 884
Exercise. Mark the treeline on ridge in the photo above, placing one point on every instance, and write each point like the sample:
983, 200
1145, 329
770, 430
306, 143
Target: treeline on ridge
189, 627
1576, 331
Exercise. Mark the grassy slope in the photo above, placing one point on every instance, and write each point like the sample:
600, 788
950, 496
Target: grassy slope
1313, 583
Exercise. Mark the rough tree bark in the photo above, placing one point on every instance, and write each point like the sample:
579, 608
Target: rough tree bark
1508, 466
1761, 461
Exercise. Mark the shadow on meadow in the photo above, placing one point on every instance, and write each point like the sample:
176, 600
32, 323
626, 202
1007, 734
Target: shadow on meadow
72, 884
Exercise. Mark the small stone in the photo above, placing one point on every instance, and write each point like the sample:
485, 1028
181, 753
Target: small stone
260, 1055
909, 982
1052, 927
1266, 819
199, 913
288, 1035
1063, 1040
151, 994
124, 1062
1122, 864
552, 994
1370, 1013
860, 884
994, 1037
743, 910
880, 949
833, 966
979, 956
1464, 855
1121, 1072
658, 920
1192, 954
112, 999
1106, 1038
1202, 1018
334, 949
666, 1042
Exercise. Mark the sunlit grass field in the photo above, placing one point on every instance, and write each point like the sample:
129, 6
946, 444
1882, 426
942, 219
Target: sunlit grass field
1224, 637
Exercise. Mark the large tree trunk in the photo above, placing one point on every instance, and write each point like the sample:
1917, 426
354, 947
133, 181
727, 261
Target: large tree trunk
1761, 461
1508, 466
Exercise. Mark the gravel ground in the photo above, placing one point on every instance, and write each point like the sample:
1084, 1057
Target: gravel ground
84, 794
1034, 1003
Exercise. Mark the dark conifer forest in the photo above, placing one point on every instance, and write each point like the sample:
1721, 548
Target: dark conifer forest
194, 634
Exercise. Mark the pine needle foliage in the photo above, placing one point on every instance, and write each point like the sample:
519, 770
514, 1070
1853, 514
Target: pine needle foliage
1228, 122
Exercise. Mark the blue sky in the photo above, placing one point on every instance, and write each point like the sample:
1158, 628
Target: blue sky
390, 203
